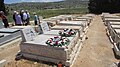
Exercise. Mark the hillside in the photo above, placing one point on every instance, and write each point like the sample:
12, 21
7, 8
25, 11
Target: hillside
49, 9
50, 5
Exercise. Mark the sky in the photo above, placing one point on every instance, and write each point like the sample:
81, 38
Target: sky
18, 1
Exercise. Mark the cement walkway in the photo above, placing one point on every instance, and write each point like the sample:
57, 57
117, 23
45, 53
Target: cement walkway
96, 51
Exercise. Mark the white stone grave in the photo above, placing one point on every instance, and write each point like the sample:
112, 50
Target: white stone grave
28, 34
8, 34
35, 47
1, 24
83, 24
77, 28
107, 20
84, 18
55, 30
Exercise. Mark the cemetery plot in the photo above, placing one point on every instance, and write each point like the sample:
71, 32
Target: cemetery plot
83, 24
8, 30
113, 30
84, 19
19, 27
55, 30
8, 33
6, 37
117, 41
114, 23
111, 19
38, 49
77, 28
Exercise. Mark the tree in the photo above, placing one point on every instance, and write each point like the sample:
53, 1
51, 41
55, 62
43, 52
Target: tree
99, 6
2, 6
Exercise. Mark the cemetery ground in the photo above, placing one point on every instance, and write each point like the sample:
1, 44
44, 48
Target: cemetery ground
96, 51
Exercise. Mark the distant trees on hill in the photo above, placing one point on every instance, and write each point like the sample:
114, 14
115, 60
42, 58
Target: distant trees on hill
99, 6
51, 5
2, 6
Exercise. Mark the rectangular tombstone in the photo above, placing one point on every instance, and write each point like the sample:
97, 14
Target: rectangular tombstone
114, 23
111, 29
38, 47
107, 20
7, 37
77, 28
87, 19
83, 24
112, 26
116, 35
8, 30
44, 27
47, 31
1, 24
116, 49
115, 26
19, 27
28, 34
76, 23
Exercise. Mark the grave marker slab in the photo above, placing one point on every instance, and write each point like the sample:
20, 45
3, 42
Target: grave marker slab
38, 49
1, 24
44, 27
28, 34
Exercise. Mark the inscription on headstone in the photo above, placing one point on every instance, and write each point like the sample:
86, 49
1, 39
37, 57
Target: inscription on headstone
28, 34
44, 27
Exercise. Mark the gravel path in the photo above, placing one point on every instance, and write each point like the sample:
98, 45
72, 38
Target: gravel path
96, 51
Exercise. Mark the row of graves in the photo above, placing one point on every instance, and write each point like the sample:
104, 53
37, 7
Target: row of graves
8, 34
112, 23
57, 39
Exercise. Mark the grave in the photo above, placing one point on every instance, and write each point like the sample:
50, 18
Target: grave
84, 19
114, 23
78, 28
34, 46
107, 20
117, 42
114, 32
83, 24
55, 30
91, 16
8, 34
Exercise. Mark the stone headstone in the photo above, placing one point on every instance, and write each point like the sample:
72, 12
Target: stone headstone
44, 27
8, 30
28, 34
1, 24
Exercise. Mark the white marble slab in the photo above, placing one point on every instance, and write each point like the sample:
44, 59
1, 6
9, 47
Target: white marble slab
61, 27
28, 34
114, 23
20, 27
8, 30
115, 26
1, 24
72, 22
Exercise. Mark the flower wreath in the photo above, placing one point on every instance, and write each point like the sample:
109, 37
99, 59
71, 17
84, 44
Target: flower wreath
67, 32
57, 41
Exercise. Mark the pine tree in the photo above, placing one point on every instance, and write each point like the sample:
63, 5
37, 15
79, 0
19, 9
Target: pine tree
2, 6
99, 6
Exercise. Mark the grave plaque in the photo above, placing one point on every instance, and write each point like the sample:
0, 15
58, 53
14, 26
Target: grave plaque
28, 34
1, 24
44, 27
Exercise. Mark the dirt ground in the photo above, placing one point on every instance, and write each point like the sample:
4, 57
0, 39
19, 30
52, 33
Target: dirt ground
96, 51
